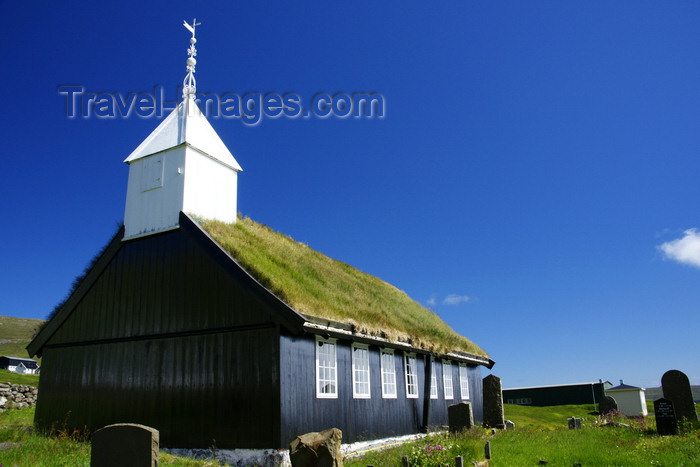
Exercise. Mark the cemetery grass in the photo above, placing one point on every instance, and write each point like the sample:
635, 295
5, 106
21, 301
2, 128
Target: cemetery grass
542, 434
60, 449
593, 446
436, 449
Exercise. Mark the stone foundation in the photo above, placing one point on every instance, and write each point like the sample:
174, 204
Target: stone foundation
280, 457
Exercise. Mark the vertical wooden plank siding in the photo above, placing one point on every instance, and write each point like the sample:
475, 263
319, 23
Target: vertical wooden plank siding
359, 419
167, 338
585, 393
158, 285
167, 384
172, 334
438, 411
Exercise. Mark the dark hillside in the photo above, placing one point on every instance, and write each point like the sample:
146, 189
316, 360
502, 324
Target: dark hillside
651, 394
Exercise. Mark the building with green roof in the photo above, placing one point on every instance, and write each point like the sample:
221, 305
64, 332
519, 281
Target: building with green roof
220, 331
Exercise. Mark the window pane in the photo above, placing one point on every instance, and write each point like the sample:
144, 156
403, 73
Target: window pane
326, 364
411, 376
447, 380
463, 382
388, 374
360, 372
433, 382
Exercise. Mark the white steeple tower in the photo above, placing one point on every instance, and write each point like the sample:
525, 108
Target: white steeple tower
182, 166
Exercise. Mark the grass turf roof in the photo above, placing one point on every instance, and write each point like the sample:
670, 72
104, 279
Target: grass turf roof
316, 285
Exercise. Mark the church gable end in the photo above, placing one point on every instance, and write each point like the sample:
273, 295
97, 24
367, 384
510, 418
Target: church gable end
157, 286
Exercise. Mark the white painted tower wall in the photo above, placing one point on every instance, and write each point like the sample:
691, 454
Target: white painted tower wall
179, 179
211, 188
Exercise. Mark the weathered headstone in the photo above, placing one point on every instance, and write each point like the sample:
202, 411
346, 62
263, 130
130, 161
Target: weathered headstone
509, 425
676, 386
317, 449
574, 423
666, 423
493, 402
607, 404
460, 417
125, 444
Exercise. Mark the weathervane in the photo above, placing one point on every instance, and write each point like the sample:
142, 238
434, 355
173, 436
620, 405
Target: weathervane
189, 85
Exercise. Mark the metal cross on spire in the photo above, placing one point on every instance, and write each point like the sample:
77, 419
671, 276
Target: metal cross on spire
189, 85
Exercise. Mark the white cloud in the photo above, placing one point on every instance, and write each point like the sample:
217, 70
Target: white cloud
685, 250
454, 299
431, 302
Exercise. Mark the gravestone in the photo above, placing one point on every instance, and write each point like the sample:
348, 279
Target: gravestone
606, 405
666, 423
460, 417
125, 444
676, 387
574, 423
317, 449
493, 402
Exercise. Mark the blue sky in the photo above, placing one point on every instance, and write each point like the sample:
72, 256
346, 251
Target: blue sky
534, 179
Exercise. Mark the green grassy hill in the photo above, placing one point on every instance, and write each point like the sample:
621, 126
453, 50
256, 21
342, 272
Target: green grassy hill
546, 418
15, 378
651, 394
15, 334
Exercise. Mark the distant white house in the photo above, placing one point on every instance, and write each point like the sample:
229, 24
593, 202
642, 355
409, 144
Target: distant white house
630, 399
19, 365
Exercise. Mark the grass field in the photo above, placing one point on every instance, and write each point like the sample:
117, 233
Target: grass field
14, 378
64, 449
547, 418
541, 434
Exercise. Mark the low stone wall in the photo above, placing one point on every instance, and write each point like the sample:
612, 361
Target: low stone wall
17, 396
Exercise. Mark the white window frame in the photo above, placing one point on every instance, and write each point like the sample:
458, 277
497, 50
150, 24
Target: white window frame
447, 380
464, 381
388, 369
328, 372
433, 380
411, 372
360, 371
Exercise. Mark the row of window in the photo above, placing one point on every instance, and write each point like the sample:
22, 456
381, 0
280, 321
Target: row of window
327, 374
522, 401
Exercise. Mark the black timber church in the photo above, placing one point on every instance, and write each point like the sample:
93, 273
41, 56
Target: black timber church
168, 329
